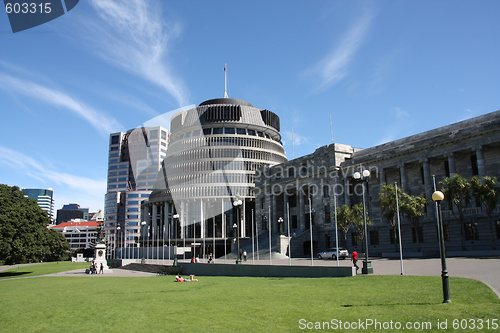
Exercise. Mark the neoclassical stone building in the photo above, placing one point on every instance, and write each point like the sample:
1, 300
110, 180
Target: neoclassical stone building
213, 153
311, 186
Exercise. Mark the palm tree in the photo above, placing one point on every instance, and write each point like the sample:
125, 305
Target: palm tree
456, 192
487, 193
413, 207
387, 203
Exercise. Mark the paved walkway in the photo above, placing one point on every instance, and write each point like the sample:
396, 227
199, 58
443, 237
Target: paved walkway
486, 270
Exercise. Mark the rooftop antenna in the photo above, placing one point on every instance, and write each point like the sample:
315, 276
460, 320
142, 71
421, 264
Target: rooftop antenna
225, 81
293, 146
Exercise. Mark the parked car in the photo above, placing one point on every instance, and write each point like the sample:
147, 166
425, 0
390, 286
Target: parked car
332, 253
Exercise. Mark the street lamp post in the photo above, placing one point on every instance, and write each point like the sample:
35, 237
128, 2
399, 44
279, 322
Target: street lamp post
143, 224
367, 265
237, 203
176, 221
438, 196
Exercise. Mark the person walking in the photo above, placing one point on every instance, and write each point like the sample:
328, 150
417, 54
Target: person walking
354, 259
245, 255
101, 271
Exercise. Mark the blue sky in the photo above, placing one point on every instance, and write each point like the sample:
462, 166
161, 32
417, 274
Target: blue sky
383, 70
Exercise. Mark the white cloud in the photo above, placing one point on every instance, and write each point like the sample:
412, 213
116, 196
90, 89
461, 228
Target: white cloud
102, 123
334, 66
82, 186
400, 113
132, 35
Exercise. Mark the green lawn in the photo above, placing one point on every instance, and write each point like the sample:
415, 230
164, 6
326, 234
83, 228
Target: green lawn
236, 304
42, 269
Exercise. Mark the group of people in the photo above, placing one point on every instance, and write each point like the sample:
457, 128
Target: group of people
196, 260
94, 267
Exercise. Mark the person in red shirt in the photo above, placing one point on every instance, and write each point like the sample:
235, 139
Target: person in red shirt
355, 259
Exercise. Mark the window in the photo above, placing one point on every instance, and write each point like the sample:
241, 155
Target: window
446, 232
471, 231
374, 237
163, 135
326, 191
153, 134
291, 172
218, 130
327, 214
392, 236
447, 168
229, 131
251, 132
115, 139
473, 164
294, 222
241, 131
207, 131
356, 238
420, 235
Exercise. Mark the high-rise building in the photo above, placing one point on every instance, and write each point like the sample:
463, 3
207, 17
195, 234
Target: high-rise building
71, 211
44, 198
134, 160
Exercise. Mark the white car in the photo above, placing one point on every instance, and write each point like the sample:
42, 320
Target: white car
332, 253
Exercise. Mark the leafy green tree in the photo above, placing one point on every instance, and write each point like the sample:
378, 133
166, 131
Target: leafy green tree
344, 219
387, 203
358, 221
24, 236
413, 207
486, 192
456, 192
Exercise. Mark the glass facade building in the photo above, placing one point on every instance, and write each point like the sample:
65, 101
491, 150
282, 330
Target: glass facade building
134, 160
44, 198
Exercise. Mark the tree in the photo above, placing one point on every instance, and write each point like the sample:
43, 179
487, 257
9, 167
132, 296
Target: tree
358, 221
387, 203
456, 192
344, 219
486, 192
24, 236
413, 207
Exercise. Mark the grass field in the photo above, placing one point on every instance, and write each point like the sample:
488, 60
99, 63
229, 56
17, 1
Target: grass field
236, 304
42, 269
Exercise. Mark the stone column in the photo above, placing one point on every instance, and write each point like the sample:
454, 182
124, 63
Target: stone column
481, 164
451, 164
286, 213
404, 178
274, 212
347, 194
381, 176
302, 222
428, 187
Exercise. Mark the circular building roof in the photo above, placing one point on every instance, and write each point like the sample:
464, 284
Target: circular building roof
231, 101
